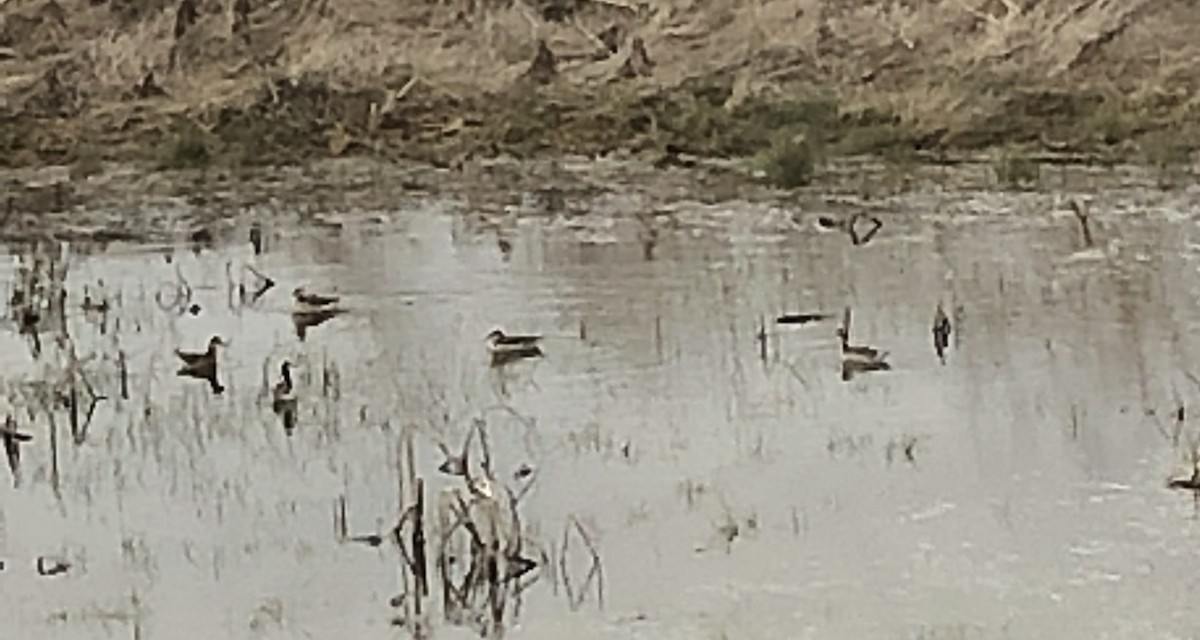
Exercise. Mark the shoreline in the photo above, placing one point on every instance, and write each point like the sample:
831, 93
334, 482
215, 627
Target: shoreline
782, 88
125, 203
786, 139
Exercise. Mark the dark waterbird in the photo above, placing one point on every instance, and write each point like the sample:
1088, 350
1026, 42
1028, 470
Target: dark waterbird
310, 302
311, 310
201, 359
508, 348
12, 446
283, 398
47, 566
941, 333
256, 237
202, 365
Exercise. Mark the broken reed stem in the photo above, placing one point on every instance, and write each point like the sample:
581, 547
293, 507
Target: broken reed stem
339, 519
54, 477
123, 368
73, 411
485, 450
762, 339
1080, 208
420, 567
410, 460
658, 338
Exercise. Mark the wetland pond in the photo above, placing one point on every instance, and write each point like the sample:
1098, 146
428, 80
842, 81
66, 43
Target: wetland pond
731, 489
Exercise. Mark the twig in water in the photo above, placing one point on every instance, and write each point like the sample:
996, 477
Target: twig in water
1080, 209
595, 571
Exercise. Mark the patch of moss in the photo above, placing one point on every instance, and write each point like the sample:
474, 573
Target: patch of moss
529, 124
13, 138
1109, 123
185, 146
86, 163
1015, 170
1169, 153
791, 163
892, 140
252, 138
706, 127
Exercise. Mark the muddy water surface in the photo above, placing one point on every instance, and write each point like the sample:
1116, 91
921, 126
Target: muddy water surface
1018, 491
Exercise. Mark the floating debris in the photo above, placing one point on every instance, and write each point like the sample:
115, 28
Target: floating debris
50, 566
802, 318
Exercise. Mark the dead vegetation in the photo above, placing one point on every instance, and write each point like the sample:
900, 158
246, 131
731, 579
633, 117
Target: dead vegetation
455, 79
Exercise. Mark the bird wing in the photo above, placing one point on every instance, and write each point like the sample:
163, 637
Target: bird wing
316, 299
519, 340
189, 357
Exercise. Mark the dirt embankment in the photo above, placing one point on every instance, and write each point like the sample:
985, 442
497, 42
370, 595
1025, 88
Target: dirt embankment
193, 82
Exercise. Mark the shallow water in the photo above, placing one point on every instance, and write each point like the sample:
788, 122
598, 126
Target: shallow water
1016, 491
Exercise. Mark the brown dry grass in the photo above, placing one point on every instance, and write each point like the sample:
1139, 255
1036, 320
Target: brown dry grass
939, 65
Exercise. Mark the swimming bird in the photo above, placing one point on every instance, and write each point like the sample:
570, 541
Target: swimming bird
505, 348
311, 310
12, 446
284, 390
48, 566
203, 365
204, 359
941, 333
283, 398
306, 302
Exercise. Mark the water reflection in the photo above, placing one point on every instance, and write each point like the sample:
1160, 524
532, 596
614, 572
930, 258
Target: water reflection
748, 486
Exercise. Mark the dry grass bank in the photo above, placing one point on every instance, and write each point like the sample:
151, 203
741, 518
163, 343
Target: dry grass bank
196, 81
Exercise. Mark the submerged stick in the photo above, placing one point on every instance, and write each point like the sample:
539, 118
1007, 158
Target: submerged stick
418, 545
54, 478
123, 369
1082, 215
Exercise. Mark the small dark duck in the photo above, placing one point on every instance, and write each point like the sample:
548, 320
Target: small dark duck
283, 398
941, 333
312, 310
505, 348
198, 360
12, 446
203, 365
306, 302
50, 566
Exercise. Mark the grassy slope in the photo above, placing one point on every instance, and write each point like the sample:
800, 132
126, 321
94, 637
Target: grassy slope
442, 80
